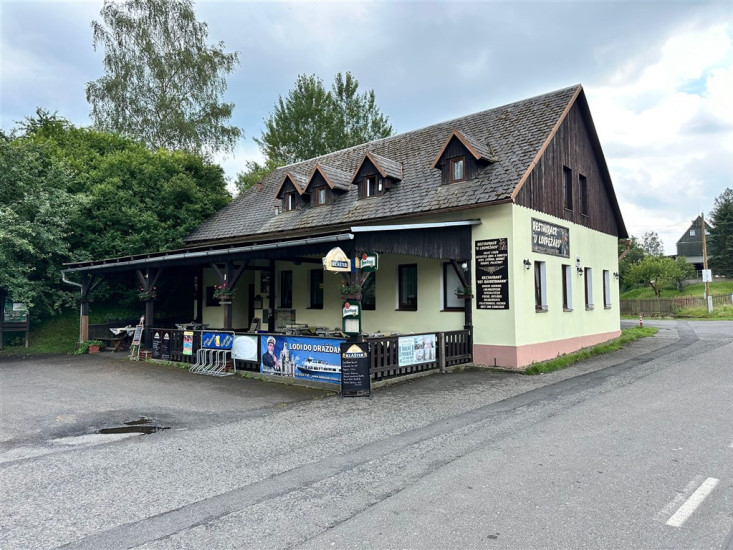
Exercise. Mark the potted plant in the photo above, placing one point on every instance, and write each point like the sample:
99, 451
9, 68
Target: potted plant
464, 292
89, 346
224, 293
350, 291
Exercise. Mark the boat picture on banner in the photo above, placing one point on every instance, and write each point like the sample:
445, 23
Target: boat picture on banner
305, 358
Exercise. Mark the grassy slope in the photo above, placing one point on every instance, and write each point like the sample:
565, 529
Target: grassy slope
698, 289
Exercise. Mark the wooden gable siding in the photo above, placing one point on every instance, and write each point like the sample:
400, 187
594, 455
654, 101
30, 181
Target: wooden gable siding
367, 169
571, 147
456, 149
691, 245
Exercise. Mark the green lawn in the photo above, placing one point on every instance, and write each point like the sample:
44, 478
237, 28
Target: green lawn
698, 289
627, 335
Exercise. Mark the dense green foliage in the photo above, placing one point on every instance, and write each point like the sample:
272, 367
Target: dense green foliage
717, 288
659, 272
720, 242
74, 194
312, 121
162, 82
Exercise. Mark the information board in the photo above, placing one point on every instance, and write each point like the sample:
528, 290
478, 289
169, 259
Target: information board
355, 378
138, 336
492, 274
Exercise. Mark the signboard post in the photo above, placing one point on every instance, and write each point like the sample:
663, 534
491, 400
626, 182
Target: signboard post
355, 377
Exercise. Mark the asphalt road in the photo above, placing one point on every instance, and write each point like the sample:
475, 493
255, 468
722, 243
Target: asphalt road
629, 450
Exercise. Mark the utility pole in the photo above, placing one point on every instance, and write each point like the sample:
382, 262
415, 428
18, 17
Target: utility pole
705, 255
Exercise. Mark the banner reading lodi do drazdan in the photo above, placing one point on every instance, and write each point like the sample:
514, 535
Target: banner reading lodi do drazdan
302, 357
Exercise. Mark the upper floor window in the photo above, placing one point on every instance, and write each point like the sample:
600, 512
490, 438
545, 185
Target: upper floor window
320, 196
457, 169
568, 186
583, 195
692, 232
289, 202
373, 185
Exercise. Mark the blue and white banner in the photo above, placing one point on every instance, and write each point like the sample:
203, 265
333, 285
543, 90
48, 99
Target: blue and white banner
302, 357
217, 340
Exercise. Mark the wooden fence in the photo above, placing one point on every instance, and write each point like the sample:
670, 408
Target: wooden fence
668, 306
451, 348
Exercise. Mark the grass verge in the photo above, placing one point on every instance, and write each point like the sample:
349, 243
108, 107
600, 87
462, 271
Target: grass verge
627, 335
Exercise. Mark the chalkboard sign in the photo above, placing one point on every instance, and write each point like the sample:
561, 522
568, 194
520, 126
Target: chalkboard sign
355, 378
138, 336
165, 348
156, 346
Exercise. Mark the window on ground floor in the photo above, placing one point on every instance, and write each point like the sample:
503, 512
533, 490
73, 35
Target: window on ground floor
540, 286
368, 295
588, 288
407, 287
567, 288
286, 289
451, 282
315, 285
606, 289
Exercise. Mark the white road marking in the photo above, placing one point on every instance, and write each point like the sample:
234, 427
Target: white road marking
691, 504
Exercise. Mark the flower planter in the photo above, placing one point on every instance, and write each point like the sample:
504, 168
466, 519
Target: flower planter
352, 296
224, 302
93, 349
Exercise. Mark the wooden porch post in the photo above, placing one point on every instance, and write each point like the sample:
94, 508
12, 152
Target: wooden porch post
230, 277
271, 299
147, 282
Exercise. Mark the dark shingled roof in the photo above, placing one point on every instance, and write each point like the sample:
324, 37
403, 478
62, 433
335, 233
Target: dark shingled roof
514, 134
335, 178
387, 167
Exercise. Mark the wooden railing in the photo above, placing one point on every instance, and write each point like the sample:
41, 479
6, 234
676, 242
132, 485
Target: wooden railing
452, 348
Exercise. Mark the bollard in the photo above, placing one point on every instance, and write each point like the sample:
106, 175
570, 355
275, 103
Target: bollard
641, 320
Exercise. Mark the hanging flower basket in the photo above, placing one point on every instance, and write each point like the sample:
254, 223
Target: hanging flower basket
147, 295
464, 292
224, 294
350, 292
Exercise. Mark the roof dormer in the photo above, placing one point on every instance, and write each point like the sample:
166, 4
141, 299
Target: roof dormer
461, 156
324, 183
376, 174
291, 191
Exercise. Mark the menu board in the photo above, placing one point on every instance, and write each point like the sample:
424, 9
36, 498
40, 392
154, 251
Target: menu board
355, 377
165, 348
156, 346
492, 274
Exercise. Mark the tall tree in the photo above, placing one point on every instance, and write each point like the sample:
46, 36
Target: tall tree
720, 241
652, 244
311, 121
163, 83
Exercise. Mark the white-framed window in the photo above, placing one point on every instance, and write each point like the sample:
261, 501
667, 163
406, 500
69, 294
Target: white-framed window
451, 282
540, 286
692, 232
567, 288
588, 288
289, 202
606, 289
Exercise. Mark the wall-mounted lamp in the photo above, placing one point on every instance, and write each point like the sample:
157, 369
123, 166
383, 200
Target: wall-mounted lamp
615, 275
464, 265
527, 264
580, 270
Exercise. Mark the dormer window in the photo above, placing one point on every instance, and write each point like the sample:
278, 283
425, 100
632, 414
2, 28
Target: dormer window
289, 202
373, 185
457, 169
320, 196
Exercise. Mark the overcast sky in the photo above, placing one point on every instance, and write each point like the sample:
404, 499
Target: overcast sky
658, 75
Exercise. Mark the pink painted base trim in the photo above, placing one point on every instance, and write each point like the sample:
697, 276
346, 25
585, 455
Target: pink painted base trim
519, 357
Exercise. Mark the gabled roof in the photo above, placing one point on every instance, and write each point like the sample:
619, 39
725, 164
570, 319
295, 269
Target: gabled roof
387, 168
299, 181
335, 178
518, 133
479, 150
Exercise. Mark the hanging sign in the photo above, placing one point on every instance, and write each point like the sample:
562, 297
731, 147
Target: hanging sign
369, 262
337, 260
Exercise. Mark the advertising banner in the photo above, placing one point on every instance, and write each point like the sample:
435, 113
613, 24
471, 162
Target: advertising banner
245, 348
188, 342
217, 340
416, 349
306, 358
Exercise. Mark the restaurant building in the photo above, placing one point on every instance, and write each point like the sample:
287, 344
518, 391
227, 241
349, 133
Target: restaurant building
502, 225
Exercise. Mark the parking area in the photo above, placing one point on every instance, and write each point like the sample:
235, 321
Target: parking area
51, 397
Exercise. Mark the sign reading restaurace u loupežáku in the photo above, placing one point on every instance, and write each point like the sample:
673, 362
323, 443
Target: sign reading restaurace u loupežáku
548, 238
